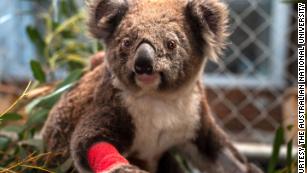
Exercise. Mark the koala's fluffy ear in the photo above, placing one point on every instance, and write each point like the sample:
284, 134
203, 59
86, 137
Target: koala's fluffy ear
209, 21
105, 16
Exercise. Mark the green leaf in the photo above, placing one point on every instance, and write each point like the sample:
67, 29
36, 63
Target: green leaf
14, 128
37, 118
48, 101
67, 8
37, 71
75, 58
279, 138
181, 161
4, 142
36, 39
36, 143
73, 65
64, 25
11, 117
96, 46
22, 152
289, 155
72, 77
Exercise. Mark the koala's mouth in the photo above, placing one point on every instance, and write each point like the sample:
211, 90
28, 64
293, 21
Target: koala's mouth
143, 68
148, 80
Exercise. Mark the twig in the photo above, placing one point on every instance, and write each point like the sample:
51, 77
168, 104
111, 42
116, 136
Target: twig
25, 92
36, 167
29, 159
7, 170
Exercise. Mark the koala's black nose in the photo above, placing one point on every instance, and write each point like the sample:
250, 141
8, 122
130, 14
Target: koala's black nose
144, 59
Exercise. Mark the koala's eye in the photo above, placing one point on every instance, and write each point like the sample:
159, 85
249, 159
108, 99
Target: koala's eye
126, 43
171, 45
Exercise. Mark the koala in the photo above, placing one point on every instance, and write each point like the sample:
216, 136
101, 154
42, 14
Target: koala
147, 96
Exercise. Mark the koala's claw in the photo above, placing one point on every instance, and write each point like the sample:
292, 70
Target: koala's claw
128, 169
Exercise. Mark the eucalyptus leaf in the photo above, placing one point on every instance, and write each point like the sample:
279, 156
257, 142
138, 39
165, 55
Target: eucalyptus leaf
37, 118
289, 155
11, 117
63, 26
71, 78
37, 71
278, 141
22, 152
181, 161
75, 58
73, 65
48, 101
36, 38
14, 128
36, 143
4, 142
60, 44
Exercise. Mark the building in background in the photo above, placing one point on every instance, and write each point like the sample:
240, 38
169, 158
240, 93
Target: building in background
248, 86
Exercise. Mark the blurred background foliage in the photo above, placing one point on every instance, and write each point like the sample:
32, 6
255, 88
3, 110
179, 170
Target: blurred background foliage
62, 48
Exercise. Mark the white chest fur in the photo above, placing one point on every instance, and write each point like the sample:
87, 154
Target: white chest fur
162, 122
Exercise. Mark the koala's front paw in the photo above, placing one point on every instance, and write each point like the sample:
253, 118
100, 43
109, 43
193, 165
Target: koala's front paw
97, 59
127, 169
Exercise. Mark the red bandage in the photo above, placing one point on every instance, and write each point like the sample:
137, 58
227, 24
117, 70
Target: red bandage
104, 156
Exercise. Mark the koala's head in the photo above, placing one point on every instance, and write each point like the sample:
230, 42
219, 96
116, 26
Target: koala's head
159, 44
